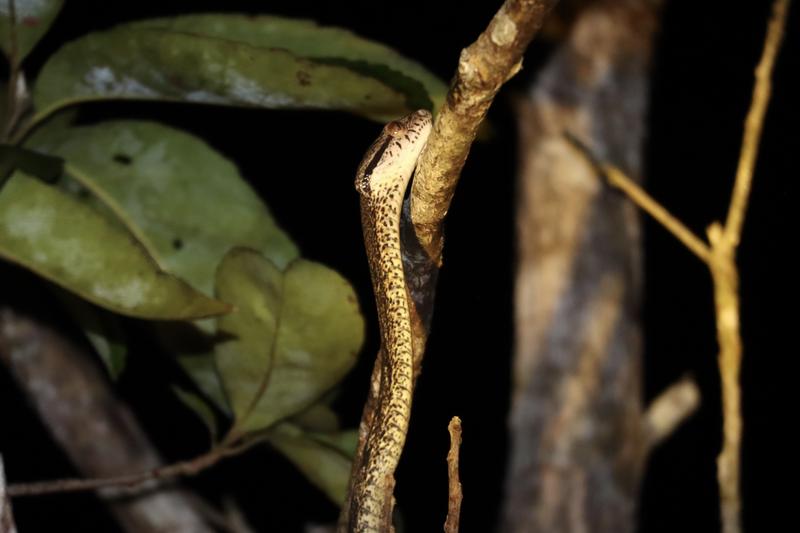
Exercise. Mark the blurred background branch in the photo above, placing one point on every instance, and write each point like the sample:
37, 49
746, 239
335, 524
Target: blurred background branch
97, 431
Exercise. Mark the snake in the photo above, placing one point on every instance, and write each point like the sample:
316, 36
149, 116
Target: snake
381, 181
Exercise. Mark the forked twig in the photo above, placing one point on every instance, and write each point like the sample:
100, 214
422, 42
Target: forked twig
720, 257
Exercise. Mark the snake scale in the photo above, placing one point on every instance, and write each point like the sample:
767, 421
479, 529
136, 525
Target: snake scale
381, 180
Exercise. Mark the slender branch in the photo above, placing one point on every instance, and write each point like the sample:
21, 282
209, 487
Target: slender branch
139, 480
720, 258
644, 201
724, 273
619, 180
131, 481
726, 303
754, 122
454, 485
483, 68
669, 410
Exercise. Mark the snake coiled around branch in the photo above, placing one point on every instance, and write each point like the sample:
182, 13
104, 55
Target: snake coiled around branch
381, 180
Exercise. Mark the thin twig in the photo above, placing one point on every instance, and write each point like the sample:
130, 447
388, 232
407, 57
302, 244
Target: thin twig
724, 273
129, 481
619, 180
754, 122
644, 201
721, 260
230, 446
454, 484
669, 410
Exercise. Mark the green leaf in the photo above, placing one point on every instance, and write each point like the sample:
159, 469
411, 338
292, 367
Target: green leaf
33, 19
135, 62
182, 199
186, 202
67, 242
345, 441
199, 406
324, 465
201, 368
293, 335
320, 44
319, 417
103, 331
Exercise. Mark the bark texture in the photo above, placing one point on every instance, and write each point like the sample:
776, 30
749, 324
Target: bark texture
578, 441
97, 431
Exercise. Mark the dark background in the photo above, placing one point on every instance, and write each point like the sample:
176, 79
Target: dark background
702, 81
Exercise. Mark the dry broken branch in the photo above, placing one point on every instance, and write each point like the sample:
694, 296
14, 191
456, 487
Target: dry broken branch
451, 524
669, 410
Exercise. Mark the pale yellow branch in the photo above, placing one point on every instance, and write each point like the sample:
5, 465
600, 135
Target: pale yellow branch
720, 258
647, 203
724, 273
670, 409
754, 123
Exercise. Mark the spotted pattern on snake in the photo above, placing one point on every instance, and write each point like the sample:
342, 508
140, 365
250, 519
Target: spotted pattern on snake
381, 181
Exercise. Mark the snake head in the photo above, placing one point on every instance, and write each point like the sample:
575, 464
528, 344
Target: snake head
394, 153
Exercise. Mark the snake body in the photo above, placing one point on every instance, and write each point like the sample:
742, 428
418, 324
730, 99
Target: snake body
381, 181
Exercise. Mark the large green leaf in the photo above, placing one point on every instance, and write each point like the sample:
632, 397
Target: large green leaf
63, 240
325, 463
293, 335
33, 18
141, 63
321, 44
186, 202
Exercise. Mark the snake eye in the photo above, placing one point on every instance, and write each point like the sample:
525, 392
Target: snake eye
394, 128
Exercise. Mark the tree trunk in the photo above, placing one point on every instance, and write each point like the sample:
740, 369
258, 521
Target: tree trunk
578, 444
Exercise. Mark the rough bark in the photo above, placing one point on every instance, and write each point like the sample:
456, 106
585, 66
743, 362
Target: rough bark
578, 438
97, 431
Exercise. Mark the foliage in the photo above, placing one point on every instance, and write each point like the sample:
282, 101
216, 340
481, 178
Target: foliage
151, 222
